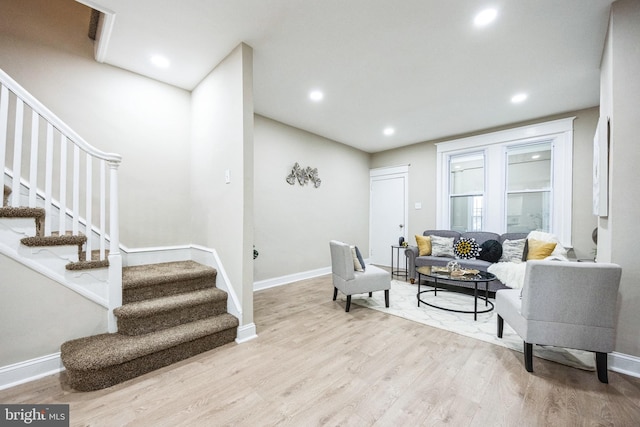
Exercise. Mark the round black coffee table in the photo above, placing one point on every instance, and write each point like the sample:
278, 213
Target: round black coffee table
441, 273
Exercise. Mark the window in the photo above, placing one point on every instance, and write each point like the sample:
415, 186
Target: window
529, 187
515, 180
466, 191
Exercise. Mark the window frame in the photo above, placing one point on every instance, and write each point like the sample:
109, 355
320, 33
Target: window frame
452, 195
548, 189
494, 145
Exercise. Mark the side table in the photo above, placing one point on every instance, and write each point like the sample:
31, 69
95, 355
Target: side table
395, 266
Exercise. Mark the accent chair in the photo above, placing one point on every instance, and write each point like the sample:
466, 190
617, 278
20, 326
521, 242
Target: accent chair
351, 282
564, 304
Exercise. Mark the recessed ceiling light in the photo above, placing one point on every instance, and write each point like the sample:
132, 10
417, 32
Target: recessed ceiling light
316, 95
485, 17
519, 97
389, 131
160, 61
535, 156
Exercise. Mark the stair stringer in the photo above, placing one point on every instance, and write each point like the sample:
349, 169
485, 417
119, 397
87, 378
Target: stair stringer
51, 261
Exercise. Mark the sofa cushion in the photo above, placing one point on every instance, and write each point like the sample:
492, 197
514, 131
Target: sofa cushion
512, 250
443, 233
442, 246
466, 248
481, 236
476, 264
436, 261
490, 251
512, 236
424, 245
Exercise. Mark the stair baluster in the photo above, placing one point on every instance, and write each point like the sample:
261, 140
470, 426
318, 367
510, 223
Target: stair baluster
54, 183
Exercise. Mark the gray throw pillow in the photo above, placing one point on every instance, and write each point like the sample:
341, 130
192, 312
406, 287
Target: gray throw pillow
442, 246
512, 250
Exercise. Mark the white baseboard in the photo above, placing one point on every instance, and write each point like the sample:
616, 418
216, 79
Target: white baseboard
624, 364
246, 333
283, 280
153, 255
30, 370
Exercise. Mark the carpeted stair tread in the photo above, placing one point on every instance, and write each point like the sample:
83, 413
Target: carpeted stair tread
105, 350
143, 317
37, 214
157, 274
21, 212
63, 240
87, 265
175, 302
97, 379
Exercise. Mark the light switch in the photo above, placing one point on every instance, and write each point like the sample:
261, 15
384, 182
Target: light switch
418, 205
227, 176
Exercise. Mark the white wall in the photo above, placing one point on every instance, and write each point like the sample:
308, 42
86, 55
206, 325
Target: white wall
33, 323
620, 101
422, 179
294, 223
222, 140
48, 52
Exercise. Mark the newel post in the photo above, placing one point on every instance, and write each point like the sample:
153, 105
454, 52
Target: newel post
115, 258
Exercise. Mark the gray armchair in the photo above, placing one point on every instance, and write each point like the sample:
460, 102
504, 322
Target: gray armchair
564, 304
351, 282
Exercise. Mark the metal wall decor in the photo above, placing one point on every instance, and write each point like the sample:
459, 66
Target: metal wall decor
304, 176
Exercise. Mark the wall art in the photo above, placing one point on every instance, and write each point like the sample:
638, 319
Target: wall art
303, 176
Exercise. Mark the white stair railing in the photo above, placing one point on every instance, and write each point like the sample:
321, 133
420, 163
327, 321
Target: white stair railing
51, 164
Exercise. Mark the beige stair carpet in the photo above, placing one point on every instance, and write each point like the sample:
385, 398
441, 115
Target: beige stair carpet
171, 311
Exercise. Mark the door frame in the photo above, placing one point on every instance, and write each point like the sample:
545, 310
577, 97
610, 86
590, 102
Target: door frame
400, 171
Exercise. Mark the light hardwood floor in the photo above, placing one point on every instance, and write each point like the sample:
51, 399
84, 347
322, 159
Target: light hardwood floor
314, 364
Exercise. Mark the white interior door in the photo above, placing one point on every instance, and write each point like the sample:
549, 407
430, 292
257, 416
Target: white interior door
388, 212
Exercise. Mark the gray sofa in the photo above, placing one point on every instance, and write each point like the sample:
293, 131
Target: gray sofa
413, 260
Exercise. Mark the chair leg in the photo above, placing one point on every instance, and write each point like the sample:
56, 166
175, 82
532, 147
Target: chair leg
370, 294
335, 293
500, 326
386, 298
601, 367
528, 356
348, 303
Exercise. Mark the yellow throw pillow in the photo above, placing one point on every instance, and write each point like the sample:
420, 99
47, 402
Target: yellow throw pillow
539, 249
424, 245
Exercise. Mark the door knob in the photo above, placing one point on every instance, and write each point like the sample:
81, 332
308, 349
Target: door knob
401, 226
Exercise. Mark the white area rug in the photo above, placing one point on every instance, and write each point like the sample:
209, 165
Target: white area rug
403, 303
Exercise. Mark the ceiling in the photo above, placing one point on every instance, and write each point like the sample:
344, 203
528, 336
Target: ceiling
419, 66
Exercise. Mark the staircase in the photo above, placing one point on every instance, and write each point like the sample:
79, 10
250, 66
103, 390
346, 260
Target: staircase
171, 311
158, 314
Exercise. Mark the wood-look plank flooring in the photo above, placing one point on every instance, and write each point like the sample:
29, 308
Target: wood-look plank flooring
313, 364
